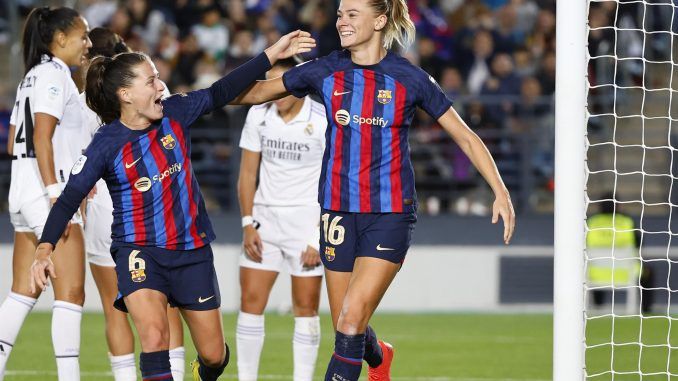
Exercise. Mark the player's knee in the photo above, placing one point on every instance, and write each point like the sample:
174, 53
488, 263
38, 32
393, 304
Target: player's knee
353, 319
73, 294
213, 357
154, 337
253, 302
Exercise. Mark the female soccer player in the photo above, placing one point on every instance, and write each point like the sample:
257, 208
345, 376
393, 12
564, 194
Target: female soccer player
98, 242
283, 141
367, 182
161, 232
44, 133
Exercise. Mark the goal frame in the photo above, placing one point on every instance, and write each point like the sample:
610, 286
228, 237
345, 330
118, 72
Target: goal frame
570, 185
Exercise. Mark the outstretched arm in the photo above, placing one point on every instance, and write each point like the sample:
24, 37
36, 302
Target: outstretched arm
262, 91
476, 150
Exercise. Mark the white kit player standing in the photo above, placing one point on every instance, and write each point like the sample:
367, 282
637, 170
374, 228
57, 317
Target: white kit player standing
44, 133
284, 142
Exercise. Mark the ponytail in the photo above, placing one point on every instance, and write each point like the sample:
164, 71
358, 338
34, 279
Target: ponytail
398, 27
106, 43
105, 77
39, 29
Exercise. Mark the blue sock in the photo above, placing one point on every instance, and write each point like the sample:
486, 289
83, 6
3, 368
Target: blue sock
155, 366
373, 355
347, 360
211, 374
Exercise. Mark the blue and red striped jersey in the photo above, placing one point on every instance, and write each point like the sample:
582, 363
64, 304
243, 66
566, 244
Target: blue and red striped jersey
366, 166
156, 197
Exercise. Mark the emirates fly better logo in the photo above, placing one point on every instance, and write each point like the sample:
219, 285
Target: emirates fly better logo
343, 117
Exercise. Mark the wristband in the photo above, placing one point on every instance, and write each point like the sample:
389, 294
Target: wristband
247, 221
53, 190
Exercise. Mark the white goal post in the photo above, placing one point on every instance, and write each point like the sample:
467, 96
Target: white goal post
568, 317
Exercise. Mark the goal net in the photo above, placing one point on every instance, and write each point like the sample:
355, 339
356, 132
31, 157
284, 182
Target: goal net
630, 332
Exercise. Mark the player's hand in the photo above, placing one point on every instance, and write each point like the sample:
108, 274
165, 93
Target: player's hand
310, 258
251, 242
290, 44
503, 207
42, 268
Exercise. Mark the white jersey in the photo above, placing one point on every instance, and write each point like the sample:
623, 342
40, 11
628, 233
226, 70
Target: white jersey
291, 153
46, 88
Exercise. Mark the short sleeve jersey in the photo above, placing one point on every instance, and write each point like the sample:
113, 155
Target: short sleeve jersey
156, 197
366, 167
47, 88
291, 153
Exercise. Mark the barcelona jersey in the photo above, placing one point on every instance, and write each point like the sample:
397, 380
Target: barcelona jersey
366, 165
156, 197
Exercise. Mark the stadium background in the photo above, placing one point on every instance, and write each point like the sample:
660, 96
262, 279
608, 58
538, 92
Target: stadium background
494, 58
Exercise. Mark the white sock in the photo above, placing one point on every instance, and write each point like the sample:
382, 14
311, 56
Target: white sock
305, 346
123, 367
249, 340
13, 312
66, 319
177, 363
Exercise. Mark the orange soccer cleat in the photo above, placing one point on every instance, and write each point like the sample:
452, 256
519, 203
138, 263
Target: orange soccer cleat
383, 371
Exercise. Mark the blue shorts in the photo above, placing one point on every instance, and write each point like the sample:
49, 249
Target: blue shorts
187, 277
351, 235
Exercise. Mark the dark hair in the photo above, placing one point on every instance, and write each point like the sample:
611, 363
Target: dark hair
286, 63
105, 76
39, 30
106, 43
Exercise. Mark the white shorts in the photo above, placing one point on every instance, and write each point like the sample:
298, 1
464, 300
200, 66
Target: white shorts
32, 216
98, 234
285, 232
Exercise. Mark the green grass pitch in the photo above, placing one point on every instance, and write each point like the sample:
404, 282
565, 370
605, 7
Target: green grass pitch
429, 347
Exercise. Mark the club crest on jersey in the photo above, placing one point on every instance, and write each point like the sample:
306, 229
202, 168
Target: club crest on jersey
168, 141
309, 129
384, 96
329, 253
143, 184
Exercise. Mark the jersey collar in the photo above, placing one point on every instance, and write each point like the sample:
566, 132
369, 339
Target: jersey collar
304, 114
57, 60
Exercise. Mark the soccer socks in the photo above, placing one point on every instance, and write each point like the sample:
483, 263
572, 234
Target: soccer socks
249, 340
212, 374
123, 367
347, 360
177, 362
13, 312
155, 366
373, 355
66, 319
305, 346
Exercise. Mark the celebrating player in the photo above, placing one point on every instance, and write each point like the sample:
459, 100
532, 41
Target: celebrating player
283, 141
98, 242
366, 186
161, 231
44, 133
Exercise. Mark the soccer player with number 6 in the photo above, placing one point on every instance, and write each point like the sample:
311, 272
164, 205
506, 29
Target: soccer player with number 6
366, 188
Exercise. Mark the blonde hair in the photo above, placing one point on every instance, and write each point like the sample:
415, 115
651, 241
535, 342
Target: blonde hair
398, 27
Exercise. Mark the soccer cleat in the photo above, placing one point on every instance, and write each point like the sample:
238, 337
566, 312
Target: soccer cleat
195, 365
383, 371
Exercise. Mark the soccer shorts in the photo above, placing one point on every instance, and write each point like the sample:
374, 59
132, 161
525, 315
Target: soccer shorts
345, 236
32, 215
186, 277
98, 234
285, 232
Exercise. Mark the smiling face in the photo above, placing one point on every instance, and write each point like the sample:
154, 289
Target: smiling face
357, 24
143, 96
72, 46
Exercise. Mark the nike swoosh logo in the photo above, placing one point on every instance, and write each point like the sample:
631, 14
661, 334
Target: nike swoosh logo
379, 248
201, 300
130, 165
336, 94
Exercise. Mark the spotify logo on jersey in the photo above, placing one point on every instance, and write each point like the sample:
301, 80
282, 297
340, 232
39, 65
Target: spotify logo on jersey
342, 117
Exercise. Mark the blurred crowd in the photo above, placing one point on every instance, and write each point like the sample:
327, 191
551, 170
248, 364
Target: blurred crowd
494, 58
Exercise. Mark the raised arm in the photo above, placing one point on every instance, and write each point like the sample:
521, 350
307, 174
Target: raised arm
262, 91
481, 158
